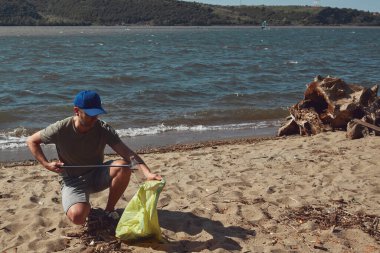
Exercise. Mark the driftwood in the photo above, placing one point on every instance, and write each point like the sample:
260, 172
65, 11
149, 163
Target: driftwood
360, 128
329, 103
363, 123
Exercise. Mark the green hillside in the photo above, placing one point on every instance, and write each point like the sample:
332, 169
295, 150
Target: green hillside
171, 13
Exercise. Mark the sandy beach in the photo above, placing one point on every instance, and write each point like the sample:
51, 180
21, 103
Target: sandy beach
291, 194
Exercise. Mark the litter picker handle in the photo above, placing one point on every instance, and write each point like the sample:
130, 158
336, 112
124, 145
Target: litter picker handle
96, 166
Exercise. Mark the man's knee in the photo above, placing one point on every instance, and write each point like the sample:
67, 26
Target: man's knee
123, 172
78, 213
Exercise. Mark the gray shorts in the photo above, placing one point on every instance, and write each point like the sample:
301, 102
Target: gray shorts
78, 189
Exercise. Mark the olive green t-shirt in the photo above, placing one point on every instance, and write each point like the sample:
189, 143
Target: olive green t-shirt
75, 148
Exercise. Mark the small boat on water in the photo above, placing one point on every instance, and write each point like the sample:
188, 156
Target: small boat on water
264, 25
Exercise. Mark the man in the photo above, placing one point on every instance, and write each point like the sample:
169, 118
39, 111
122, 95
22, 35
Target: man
81, 140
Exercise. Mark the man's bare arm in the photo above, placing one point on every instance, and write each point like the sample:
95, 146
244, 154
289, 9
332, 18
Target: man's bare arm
125, 152
34, 144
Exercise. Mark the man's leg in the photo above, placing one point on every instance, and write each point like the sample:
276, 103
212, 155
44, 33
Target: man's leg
75, 199
78, 213
120, 177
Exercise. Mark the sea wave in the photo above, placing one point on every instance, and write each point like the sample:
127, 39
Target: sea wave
162, 128
13, 139
16, 138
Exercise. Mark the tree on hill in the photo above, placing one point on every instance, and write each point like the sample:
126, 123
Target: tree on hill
170, 12
335, 16
16, 12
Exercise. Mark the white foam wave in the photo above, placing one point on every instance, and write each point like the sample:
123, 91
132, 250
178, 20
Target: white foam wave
13, 139
34, 92
11, 142
153, 130
17, 137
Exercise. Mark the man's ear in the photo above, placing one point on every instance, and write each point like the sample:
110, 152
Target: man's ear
76, 110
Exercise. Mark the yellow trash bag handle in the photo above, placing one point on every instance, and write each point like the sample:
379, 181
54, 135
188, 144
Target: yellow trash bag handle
140, 218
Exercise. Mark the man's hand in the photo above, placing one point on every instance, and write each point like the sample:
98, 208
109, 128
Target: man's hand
55, 166
125, 152
152, 176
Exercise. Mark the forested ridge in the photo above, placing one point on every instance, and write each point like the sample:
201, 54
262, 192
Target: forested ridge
171, 12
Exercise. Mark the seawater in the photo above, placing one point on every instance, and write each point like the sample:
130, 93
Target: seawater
164, 85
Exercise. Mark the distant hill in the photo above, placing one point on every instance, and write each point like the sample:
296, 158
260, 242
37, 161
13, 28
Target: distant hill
172, 13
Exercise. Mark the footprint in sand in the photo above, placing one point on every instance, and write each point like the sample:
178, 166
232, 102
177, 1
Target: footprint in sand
164, 201
34, 199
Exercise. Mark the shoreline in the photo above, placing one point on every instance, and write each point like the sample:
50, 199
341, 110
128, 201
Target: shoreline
150, 142
73, 30
163, 149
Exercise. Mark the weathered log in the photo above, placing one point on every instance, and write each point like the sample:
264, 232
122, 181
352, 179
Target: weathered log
373, 111
366, 124
330, 103
307, 120
289, 128
336, 101
356, 131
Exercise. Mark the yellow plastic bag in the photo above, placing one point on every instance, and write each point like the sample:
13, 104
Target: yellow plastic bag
140, 218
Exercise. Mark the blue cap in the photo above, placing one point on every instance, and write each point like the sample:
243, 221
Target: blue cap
89, 102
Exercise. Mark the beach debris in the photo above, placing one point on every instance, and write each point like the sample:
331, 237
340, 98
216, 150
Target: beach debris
5, 196
98, 234
334, 218
321, 248
50, 231
331, 104
56, 200
271, 189
6, 229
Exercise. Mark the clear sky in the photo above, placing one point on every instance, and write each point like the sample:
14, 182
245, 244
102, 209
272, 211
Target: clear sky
366, 5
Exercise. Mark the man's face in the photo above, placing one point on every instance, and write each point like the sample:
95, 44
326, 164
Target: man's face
85, 120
